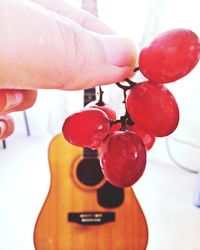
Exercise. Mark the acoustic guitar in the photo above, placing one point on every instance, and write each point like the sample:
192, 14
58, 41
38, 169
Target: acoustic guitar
82, 210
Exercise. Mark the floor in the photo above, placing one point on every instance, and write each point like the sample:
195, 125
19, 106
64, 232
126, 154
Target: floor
165, 193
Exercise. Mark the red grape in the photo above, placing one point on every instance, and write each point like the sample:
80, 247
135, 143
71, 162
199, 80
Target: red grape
115, 127
170, 56
148, 140
105, 107
86, 128
123, 158
153, 108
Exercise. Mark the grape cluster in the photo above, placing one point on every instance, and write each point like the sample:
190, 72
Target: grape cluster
150, 109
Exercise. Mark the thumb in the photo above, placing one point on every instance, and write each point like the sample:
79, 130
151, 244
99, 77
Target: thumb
42, 49
110, 59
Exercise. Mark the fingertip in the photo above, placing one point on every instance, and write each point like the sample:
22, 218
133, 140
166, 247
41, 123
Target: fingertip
7, 126
119, 74
29, 99
17, 100
120, 51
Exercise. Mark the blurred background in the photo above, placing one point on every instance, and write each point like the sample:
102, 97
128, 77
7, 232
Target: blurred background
169, 191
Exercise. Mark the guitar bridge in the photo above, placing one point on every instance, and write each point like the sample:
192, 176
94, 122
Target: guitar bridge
91, 218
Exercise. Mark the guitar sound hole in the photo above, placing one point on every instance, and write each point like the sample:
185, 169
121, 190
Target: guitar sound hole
89, 172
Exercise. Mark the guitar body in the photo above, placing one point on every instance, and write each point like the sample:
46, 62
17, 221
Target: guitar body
80, 214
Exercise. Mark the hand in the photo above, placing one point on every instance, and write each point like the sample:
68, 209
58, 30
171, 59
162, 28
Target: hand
47, 44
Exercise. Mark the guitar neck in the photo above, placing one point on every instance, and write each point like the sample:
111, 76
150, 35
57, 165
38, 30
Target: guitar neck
89, 95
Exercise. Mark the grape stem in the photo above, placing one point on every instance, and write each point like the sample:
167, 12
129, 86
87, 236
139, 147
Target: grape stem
124, 120
125, 87
136, 69
100, 102
131, 83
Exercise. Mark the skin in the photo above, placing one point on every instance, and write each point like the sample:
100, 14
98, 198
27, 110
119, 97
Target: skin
47, 44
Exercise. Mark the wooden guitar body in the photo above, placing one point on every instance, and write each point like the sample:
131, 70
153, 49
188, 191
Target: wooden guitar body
92, 216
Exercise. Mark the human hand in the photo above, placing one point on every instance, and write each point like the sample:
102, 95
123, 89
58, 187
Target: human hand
6, 126
52, 45
13, 100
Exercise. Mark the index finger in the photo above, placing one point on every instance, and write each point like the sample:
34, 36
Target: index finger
42, 49
78, 15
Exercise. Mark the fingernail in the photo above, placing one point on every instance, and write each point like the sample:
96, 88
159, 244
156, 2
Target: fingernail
120, 51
